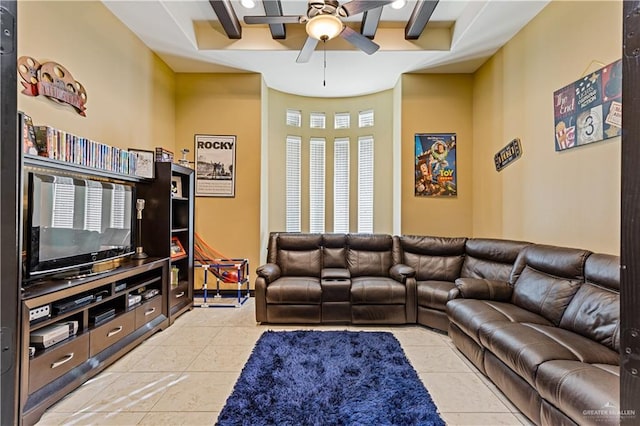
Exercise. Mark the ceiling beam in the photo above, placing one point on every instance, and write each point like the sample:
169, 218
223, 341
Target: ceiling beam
419, 18
370, 21
227, 17
274, 8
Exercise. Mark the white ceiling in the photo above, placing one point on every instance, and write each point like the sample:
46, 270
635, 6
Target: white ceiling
460, 36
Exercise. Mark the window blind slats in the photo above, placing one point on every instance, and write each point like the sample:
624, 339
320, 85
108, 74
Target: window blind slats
365, 118
293, 159
317, 120
342, 120
294, 118
316, 184
341, 185
365, 184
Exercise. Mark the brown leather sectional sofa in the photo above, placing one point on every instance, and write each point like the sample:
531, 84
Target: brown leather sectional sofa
542, 322
550, 337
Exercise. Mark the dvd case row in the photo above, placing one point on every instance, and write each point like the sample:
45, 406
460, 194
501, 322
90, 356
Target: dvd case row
49, 142
60, 145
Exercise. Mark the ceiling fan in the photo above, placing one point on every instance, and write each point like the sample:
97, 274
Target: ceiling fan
324, 21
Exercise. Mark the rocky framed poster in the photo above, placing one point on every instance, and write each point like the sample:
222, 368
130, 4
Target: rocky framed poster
215, 166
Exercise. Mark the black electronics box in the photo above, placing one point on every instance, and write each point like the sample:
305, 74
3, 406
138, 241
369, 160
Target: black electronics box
100, 317
68, 305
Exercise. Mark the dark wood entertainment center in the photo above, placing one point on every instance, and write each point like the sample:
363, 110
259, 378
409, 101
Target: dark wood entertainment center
114, 310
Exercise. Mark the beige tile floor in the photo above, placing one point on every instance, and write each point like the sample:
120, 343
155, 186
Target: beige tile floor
184, 374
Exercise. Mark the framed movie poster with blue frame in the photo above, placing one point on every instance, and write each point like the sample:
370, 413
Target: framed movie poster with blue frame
590, 109
436, 172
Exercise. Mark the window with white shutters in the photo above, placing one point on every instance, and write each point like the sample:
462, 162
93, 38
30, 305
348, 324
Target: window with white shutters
310, 201
342, 120
317, 120
294, 118
316, 184
365, 118
341, 185
293, 160
365, 184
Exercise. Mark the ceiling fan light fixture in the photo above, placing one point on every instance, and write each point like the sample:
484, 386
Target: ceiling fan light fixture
249, 4
324, 27
398, 4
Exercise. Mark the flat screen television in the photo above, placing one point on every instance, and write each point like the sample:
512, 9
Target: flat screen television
73, 223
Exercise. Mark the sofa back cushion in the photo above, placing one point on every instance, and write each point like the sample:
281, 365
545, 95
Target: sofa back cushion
334, 251
594, 311
299, 254
546, 278
490, 258
369, 254
433, 258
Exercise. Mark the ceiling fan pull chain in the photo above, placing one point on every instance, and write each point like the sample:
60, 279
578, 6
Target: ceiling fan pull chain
324, 69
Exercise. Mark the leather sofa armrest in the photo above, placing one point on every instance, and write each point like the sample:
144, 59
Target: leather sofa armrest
269, 271
477, 288
401, 272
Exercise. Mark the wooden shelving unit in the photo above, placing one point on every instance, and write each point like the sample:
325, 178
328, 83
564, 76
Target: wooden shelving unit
167, 216
50, 373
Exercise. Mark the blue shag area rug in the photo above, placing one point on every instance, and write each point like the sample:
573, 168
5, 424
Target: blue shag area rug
329, 378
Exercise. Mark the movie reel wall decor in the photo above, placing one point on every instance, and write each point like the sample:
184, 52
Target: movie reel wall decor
53, 81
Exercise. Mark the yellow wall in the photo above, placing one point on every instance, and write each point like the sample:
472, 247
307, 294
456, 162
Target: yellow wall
130, 91
437, 103
225, 104
571, 198
382, 131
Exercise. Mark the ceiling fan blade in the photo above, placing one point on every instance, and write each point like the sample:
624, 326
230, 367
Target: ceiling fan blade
359, 41
358, 6
272, 19
307, 50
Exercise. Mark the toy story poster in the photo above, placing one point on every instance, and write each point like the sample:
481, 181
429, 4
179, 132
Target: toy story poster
590, 109
435, 168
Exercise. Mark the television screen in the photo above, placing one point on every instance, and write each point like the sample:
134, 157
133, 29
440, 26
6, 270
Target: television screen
74, 223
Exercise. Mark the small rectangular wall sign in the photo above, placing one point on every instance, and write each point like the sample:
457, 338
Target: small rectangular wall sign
508, 154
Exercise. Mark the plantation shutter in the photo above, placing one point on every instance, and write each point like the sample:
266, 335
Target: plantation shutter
342, 120
316, 184
317, 120
294, 118
365, 118
292, 184
341, 185
365, 184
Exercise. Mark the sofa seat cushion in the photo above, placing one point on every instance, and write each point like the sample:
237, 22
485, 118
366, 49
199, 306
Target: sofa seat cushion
584, 392
377, 291
470, 314
524, 347
295, 290
434, 294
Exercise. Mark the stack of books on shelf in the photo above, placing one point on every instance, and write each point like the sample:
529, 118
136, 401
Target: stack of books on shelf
64, 146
